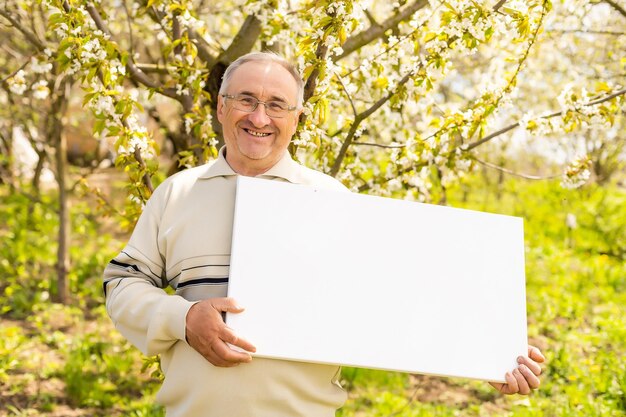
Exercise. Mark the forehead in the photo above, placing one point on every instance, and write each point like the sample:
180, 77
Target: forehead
264, 80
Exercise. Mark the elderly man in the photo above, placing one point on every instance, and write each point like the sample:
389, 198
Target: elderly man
182, 240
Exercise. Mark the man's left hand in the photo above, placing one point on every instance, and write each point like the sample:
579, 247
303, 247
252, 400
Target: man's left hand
524, 378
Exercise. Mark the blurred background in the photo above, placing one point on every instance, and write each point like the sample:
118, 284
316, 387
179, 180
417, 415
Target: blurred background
512, 107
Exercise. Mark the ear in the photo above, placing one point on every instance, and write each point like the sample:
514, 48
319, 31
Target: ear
220, 108
296, 118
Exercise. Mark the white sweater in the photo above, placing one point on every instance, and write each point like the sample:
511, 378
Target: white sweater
183, 240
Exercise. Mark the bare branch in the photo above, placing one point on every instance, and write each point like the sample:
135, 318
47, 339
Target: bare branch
154, 68
15, 72
498, 5
616, 6
10, 51
31, 37
371, 18
549, 116
376, 31
586, 31
379, 145
130, 28
517, 174
343, 86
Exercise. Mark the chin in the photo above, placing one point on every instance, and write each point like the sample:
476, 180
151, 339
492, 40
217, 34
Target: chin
255, 154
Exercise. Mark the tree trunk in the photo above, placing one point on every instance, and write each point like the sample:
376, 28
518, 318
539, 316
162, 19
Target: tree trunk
6, 164
38, 170
55, 133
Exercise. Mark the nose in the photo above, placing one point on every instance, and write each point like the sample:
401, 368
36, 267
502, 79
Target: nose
258, 117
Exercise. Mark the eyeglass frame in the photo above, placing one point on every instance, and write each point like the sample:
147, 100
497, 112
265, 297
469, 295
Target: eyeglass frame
264, 103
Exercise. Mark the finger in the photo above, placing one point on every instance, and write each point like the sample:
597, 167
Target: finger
497, 385
524, 389
511, 386
225, 353
532, 365
531, 378
217, 360
226, 304
229, 336
535, 354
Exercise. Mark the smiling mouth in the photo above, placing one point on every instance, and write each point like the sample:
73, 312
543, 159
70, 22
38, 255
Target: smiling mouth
257, 134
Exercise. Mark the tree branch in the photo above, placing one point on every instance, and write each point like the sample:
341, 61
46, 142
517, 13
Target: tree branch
130, 65
357, 121
154, 68
242, 42
589, 32
343, 86
379, 145
549, 116
147, 181
399, 41
135, 73
616, 6
376, 31
371, 18
202, 45
3, 81
31, 37
130, 28
513, 78
176, 33
311, 82
517, 174
499, 4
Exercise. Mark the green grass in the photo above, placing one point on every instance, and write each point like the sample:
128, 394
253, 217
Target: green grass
57, 360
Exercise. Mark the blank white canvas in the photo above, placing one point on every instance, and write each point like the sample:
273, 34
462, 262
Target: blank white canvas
343, 278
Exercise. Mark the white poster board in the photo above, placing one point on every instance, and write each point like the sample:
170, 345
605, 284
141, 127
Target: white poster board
349, 279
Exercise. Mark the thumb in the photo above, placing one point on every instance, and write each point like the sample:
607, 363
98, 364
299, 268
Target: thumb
226, 304
535, 354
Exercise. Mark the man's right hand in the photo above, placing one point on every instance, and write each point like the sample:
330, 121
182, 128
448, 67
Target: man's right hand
208, 334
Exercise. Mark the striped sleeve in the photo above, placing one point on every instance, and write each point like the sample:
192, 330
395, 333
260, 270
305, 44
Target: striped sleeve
141, 310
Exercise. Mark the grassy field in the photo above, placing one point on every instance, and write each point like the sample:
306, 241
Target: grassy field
69, 361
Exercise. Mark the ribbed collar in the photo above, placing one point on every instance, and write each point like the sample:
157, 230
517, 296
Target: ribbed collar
285, 168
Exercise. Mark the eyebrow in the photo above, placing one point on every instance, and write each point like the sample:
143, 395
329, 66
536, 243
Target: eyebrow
272, 98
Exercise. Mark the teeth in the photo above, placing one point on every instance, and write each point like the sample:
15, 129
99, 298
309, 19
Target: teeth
257, 134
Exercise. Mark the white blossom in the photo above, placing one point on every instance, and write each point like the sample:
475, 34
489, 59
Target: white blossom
577, 173
188, 121
103, 105
40, 90
17, 83
40, 67
182, 90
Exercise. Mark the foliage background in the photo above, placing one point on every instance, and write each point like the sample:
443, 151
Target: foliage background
512, 107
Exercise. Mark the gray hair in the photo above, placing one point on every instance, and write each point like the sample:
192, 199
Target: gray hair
265, 57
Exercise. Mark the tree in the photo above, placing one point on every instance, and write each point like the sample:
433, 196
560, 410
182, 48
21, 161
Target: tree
37, 97
421, 91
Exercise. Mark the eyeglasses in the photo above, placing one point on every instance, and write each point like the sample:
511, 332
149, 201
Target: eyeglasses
273, 108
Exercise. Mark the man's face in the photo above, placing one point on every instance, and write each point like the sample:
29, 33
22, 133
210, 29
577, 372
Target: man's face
254, 141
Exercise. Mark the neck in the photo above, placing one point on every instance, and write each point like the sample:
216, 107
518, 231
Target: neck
251, 167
